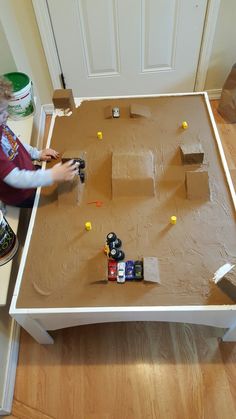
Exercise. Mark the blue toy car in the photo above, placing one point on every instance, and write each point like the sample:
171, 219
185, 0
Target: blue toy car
129, 270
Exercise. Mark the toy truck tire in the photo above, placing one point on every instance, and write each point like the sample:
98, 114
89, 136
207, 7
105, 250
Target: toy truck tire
118, 243
111, 237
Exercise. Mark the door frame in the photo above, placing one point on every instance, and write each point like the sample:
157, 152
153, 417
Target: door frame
48, 40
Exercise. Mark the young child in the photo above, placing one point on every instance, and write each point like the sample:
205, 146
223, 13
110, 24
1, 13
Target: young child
18, 176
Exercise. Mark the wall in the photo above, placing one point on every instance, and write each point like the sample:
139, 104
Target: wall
7, 63
21, 30
223, 54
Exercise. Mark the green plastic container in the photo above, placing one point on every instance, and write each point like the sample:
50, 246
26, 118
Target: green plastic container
21, 105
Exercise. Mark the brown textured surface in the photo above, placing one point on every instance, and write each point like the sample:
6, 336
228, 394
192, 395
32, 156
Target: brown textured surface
151, 269
108, 112
192, 153
67, 261
228, 283
68, 192
137, 110
231, 276
197, 184
63, 99
71, 155
133, 174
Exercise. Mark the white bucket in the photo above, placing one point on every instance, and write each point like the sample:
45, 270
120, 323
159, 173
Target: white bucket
21, 105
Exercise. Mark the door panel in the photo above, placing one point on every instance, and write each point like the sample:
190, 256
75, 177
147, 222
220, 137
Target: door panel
123, 47
159, 21
100, 37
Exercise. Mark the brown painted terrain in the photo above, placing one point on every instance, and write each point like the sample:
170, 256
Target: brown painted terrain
66, 266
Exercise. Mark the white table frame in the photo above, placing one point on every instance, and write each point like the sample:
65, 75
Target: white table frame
38, 321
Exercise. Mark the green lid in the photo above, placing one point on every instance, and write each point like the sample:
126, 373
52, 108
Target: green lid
19, 80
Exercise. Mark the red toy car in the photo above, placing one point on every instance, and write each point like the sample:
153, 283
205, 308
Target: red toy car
112, 270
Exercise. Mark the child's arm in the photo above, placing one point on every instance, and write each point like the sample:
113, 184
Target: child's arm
33, 151
45, 155
27, 179
48, 153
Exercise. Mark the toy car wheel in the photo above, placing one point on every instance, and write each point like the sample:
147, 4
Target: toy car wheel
111, 237
82, 177
114, 253
82, 164
118, 243
121, 255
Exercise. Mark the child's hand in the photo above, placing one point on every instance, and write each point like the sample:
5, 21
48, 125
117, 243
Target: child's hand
48, 153
63, 172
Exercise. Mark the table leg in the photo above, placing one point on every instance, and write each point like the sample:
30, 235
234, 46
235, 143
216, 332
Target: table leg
230, 335
34, 328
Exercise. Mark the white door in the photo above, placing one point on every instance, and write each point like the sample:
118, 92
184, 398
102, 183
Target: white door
123, 47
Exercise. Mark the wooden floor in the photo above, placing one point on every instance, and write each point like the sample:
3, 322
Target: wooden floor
130, 370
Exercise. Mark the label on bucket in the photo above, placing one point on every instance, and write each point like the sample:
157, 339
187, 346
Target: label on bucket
21, 104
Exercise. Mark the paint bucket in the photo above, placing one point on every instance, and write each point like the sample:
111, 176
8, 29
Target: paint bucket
21, 105
8, 241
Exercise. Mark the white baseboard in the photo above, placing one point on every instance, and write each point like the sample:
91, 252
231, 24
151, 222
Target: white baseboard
9, 382
41, 127
214, 94
45, 110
